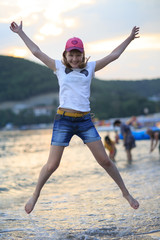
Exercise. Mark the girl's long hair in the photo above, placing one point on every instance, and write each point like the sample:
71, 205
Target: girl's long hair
81, 65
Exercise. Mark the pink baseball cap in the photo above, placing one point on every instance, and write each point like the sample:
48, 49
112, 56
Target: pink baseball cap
74, 43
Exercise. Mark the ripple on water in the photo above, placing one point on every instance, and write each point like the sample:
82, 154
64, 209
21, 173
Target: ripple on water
79, 201
4, 189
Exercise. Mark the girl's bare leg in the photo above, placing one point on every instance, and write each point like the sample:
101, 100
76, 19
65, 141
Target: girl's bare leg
100, 155
46, 171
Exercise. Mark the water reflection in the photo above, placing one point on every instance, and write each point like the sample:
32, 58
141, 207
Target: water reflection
79, 201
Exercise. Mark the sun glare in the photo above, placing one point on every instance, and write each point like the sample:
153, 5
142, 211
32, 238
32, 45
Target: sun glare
69, 22
18, 52
50, 29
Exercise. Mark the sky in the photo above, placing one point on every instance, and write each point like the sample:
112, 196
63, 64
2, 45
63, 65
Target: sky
101, 24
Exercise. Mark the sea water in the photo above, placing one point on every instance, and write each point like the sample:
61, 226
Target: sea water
79, 201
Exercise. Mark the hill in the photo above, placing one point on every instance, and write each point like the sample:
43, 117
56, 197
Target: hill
21, 79
125, 98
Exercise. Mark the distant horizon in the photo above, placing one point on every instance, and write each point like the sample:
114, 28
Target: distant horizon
40, 63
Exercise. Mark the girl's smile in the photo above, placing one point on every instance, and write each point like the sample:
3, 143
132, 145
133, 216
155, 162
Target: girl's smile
74, 58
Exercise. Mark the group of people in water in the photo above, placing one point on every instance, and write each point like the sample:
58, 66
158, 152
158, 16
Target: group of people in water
128, 140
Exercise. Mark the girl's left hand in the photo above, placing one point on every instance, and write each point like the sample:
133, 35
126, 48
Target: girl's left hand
134, 33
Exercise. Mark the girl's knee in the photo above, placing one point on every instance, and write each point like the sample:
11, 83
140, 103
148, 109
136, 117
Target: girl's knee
51, 167
106, 162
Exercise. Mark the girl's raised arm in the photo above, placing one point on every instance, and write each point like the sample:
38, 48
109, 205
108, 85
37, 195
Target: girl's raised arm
117, 51
32, 46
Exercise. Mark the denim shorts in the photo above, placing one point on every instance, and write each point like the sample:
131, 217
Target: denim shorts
65, 127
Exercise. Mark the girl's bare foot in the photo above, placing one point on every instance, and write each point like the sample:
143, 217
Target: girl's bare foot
30, 204
133, 202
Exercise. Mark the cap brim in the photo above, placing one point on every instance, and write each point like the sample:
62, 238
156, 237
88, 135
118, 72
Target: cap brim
74, 48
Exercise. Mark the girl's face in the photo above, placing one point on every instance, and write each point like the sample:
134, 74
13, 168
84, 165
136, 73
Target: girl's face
74, 58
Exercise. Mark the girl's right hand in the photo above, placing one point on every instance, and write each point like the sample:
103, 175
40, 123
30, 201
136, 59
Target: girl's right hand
15, 28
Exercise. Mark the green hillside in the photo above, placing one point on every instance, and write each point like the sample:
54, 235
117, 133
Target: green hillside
21, 79
124, 98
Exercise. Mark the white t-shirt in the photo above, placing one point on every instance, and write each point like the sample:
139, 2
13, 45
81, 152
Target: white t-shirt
74, 86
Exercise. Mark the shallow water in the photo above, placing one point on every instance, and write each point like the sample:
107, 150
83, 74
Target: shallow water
80, 201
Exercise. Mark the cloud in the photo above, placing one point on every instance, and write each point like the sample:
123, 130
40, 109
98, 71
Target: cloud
50, 11
145, 42
101, 24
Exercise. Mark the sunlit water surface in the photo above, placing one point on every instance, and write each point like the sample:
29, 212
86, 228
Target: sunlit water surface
80, 201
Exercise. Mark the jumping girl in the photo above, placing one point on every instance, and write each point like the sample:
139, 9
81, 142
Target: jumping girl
74, 75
